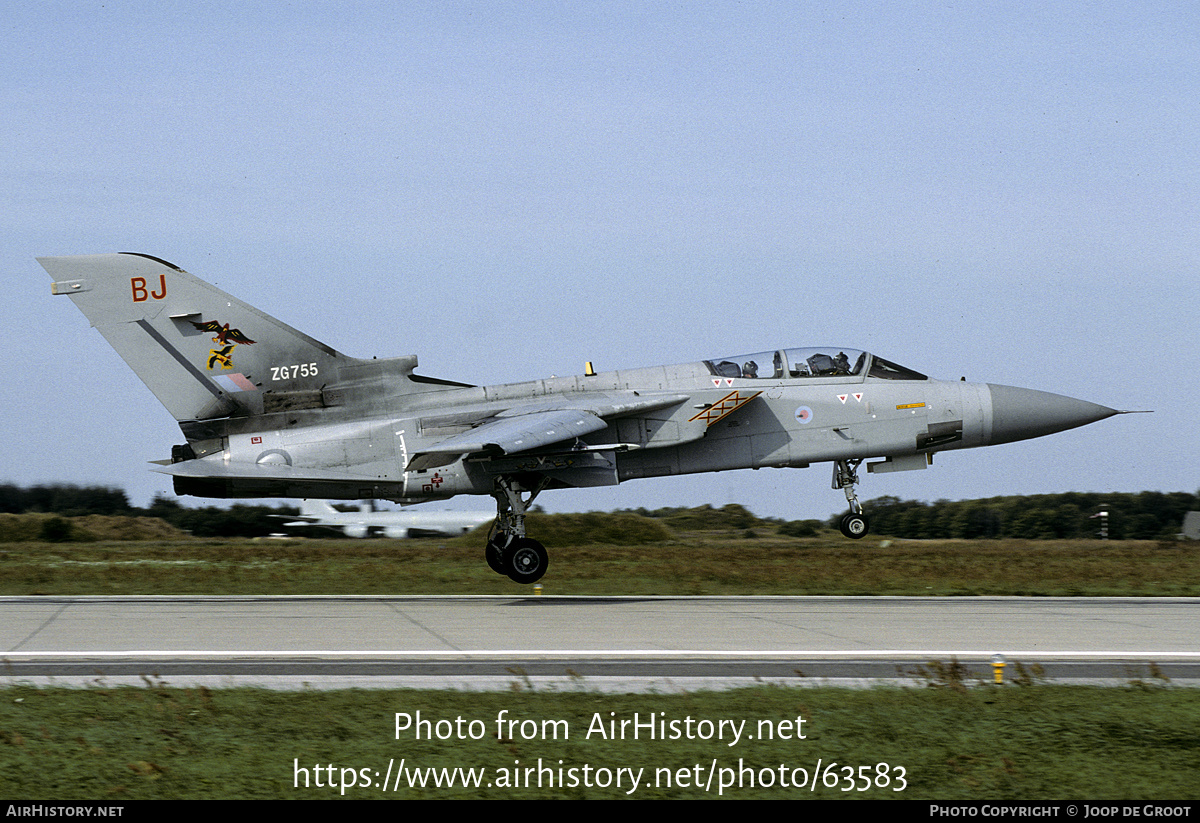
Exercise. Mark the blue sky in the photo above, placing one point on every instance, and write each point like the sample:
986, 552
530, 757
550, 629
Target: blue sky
986, 190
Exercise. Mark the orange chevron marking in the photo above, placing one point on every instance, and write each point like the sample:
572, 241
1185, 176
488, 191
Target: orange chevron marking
724, 407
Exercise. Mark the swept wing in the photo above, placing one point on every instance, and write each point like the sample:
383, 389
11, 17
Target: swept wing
533, 426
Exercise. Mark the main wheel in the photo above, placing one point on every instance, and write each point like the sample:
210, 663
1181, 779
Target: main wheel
493, 552
525, 560
855, 525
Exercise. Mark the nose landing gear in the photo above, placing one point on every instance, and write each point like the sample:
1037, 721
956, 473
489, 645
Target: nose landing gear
854, 523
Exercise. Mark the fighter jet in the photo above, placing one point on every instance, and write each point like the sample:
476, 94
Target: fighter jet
395, 524
268, 411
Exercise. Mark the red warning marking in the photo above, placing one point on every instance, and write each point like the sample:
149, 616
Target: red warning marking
843, 397
858, 396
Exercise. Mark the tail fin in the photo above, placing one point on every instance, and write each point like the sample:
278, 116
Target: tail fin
203, 353
317, 508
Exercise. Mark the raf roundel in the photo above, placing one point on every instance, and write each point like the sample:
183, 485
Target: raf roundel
804, 414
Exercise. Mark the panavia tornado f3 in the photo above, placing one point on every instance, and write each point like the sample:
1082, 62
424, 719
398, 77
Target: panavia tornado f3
270, 412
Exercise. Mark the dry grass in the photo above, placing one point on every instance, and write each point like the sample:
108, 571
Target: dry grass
20, 528
683, 564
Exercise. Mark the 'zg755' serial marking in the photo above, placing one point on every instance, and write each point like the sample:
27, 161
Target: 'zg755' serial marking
290, 372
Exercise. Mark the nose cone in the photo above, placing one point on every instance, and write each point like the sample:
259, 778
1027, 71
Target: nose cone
1019, 414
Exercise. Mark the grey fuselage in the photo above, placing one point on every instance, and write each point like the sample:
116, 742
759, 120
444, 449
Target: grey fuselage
270, 412
786, 422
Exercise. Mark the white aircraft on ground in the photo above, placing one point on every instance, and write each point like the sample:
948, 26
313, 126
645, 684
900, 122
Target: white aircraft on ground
395, 524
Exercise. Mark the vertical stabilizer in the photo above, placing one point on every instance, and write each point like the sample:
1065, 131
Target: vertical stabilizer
203, 353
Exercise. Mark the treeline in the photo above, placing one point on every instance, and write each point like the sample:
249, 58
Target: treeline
238, 520
69, 501
1131, 516
731, 516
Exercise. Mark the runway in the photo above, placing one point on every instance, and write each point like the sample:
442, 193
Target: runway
590, 643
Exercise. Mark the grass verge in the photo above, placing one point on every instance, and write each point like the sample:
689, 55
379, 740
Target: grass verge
1012, 743
688, 563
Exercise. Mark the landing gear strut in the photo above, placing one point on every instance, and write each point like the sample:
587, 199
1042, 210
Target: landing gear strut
854, 523
508, 550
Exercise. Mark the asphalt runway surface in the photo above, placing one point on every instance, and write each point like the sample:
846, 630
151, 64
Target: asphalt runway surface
590, 643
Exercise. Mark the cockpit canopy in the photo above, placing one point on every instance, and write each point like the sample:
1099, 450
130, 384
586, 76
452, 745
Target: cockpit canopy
787, 364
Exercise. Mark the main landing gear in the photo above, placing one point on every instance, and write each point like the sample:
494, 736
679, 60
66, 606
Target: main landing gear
508, 550
854, 523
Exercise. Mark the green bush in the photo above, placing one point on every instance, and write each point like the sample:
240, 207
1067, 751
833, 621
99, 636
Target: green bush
55, 530
800, 528
596, 527
705, 518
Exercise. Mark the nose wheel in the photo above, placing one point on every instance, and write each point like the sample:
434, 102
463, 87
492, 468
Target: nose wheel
854, 523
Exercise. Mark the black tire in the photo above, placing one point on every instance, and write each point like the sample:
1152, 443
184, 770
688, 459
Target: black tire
854, 525
525, 560
493, 552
